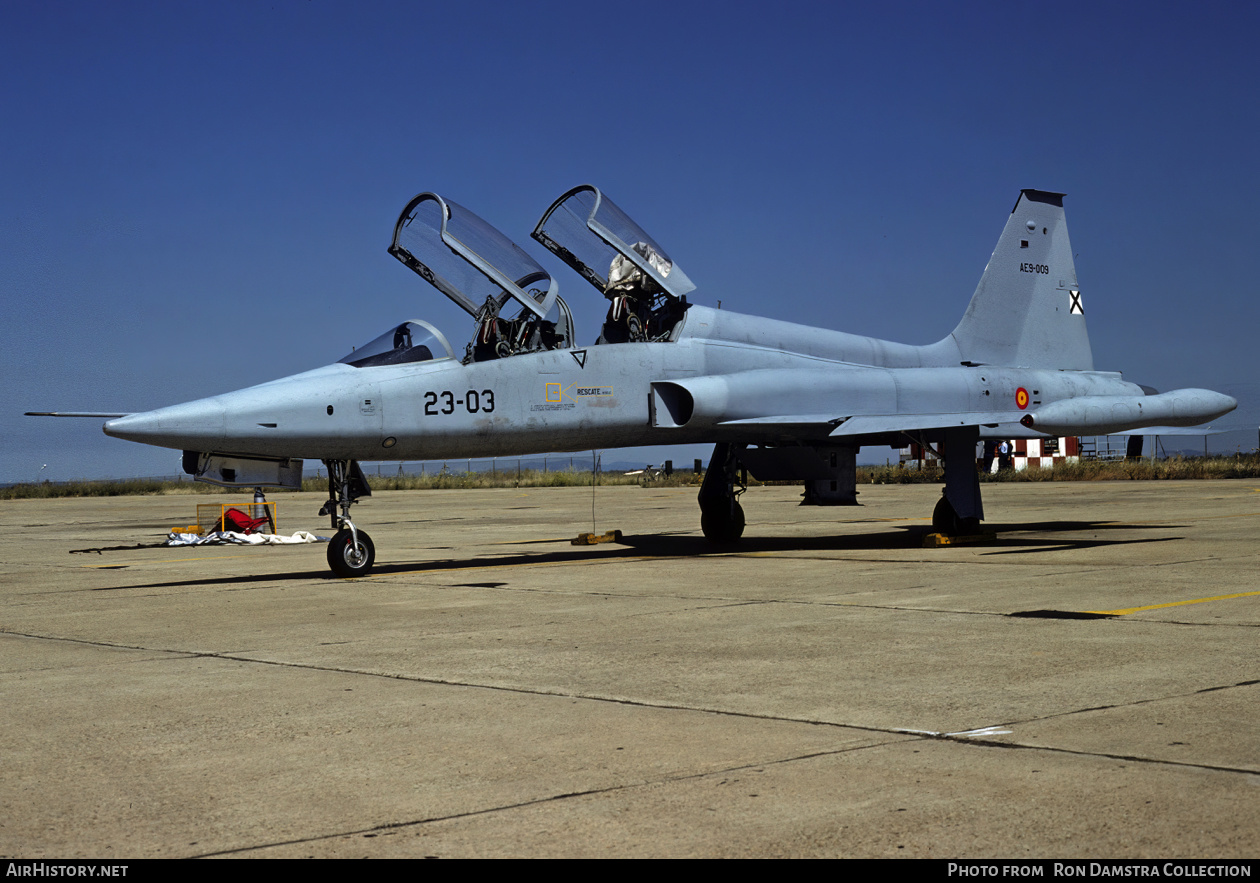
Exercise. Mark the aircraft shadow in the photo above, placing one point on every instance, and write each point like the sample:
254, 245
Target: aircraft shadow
1097, 536
691, 545
901, 536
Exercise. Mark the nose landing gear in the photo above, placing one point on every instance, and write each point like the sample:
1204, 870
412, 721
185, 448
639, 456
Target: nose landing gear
351, 552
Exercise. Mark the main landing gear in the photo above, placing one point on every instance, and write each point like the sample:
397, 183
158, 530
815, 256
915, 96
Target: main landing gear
351, 552
721, 516
959, 511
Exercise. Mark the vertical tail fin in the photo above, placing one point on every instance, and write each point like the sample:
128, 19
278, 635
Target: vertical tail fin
1027, 310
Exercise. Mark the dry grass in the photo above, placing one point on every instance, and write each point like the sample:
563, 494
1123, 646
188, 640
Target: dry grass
428, 481
130, 487
463, 480
1236, 466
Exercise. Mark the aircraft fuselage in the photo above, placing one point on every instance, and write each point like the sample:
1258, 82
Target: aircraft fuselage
603, 396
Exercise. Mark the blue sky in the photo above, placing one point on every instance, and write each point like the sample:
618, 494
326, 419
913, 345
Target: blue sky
197, 197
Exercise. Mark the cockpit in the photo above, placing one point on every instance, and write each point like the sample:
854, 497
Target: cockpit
413, 341
514, 302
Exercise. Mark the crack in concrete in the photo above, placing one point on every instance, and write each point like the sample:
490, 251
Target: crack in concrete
896, 735
540, 801
959, 737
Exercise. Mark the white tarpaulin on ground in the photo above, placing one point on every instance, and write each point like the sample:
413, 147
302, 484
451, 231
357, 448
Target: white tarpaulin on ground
250, 539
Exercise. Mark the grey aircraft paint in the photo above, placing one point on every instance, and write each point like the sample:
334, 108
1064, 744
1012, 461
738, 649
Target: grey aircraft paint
1018, 364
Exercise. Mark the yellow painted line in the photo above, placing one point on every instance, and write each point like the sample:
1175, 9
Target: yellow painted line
1171, 604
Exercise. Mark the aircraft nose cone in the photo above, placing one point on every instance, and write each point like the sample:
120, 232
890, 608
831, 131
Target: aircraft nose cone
133, 427
197, 426
117, 426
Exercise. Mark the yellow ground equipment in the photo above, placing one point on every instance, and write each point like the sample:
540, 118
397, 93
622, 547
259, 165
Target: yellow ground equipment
211, 516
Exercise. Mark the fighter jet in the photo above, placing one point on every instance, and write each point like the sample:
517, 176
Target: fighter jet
778, 400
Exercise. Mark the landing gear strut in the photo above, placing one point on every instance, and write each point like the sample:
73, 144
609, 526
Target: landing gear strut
959, 511
721, 516
351, 552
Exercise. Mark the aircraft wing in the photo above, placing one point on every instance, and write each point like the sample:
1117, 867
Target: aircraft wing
817, 422
993, 424
877, 424
881, 402
869, 424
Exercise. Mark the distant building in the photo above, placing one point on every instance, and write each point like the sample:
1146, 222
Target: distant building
1034, 453
1045, 453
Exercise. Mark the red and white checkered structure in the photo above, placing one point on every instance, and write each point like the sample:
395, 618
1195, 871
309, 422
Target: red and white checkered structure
1045, 453
1034, 453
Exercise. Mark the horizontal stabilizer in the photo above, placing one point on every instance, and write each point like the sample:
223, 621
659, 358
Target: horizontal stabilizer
877, 424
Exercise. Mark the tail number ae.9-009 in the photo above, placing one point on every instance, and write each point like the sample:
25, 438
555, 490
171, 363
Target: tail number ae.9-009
473, 402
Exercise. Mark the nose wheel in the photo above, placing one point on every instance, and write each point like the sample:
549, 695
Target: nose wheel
351, 553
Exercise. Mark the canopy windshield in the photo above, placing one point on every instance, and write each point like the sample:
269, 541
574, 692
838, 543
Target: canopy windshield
468, 260
412, 341
592, 235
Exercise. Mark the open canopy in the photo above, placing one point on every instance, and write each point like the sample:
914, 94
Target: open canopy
468, 260
587, 231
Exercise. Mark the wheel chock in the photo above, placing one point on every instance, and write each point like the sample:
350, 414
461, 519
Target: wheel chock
591, 539
933, 540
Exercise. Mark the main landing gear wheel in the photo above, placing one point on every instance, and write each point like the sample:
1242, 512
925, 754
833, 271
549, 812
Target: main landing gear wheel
722, 524
721, 516
349, 559
946, 522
